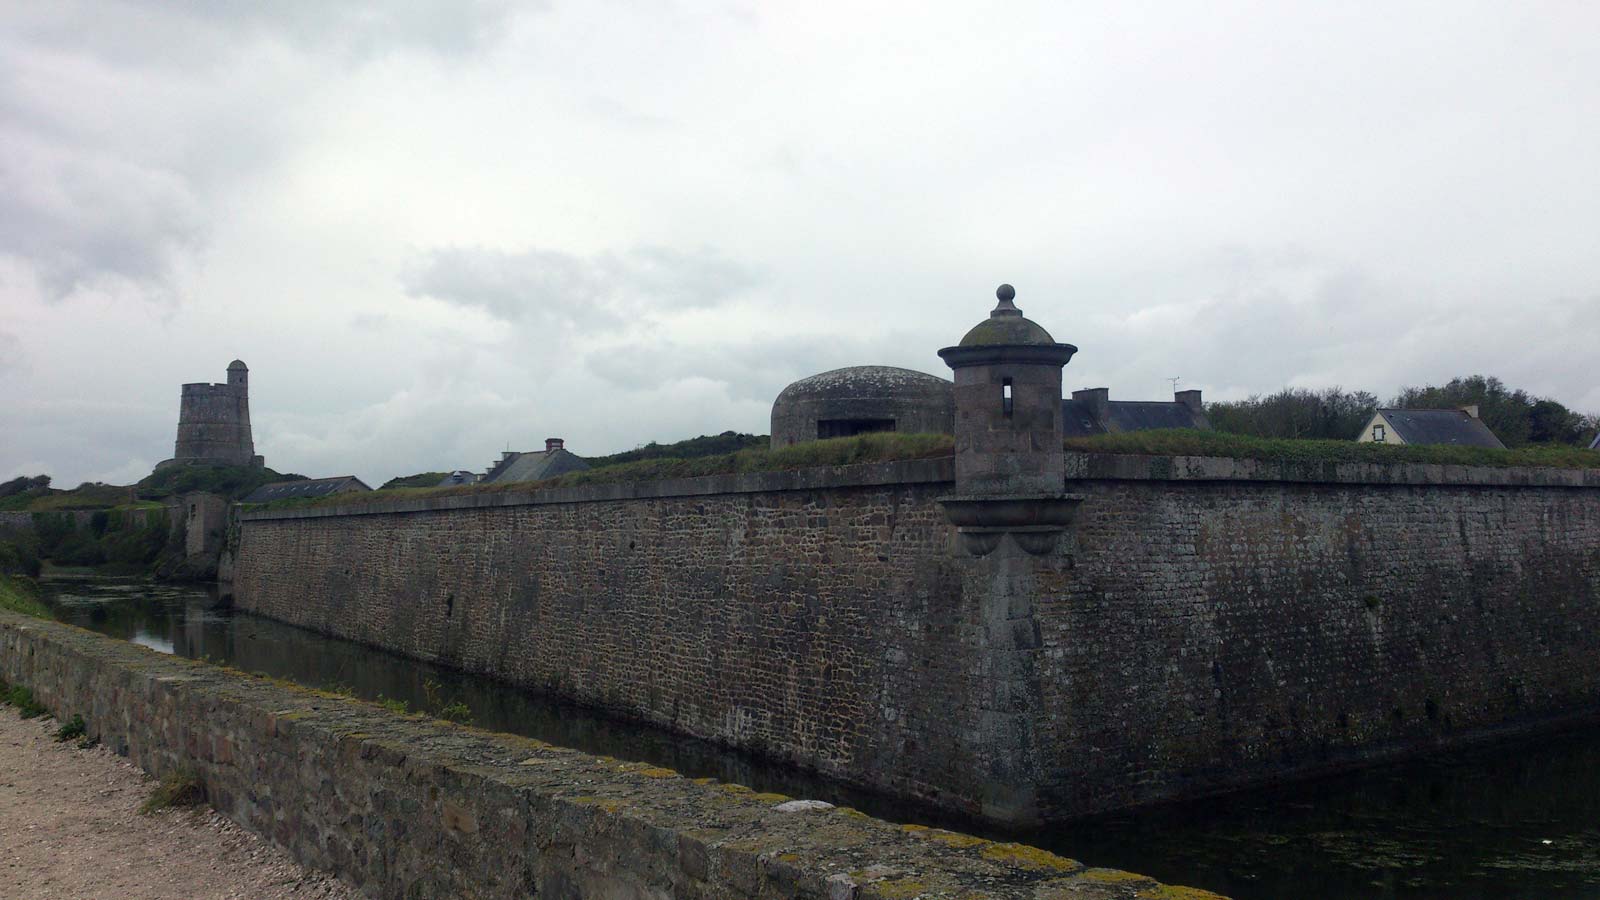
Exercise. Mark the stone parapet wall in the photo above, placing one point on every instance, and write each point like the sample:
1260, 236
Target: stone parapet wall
409, 807
1203, 624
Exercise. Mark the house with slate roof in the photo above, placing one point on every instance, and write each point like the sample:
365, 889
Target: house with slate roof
535, 465
1457, 427
1092, 412
305, 488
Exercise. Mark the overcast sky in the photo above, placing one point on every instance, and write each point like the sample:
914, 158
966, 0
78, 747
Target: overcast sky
438, 229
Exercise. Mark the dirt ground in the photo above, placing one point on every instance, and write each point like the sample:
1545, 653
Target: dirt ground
70, 827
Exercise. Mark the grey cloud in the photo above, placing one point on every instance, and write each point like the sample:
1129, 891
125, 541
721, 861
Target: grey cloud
10, 353
80, 218
102, 198
193, 30
756, 370
551, 288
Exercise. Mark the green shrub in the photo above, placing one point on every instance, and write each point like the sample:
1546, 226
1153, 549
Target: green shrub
79, 549
19, 554
393, 705
22, 698
73, 729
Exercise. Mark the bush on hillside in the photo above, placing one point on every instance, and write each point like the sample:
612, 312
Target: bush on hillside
232, 482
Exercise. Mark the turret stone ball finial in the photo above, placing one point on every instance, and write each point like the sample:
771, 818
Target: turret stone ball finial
1006, 293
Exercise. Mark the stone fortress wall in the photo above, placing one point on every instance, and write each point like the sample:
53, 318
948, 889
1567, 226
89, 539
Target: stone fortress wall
1201, 624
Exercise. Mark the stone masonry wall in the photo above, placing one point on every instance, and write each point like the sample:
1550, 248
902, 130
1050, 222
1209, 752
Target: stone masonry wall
1217, 631
823, 626
407, 807
1205, 624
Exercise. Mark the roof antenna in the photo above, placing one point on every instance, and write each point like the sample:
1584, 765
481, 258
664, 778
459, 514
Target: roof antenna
1175, 379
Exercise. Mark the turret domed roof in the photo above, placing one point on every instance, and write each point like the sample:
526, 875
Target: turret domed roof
1006, 325
237, 364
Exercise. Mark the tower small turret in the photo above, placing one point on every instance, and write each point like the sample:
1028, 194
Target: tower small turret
239, 377
1009, 458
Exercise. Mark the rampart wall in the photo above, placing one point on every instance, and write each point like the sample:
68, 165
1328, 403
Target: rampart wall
1205, 623
408, 807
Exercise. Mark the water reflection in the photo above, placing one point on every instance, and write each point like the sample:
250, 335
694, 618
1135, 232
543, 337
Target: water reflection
1517, 820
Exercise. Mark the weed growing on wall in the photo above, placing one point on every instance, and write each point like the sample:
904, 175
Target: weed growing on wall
71, 730
450, 710
178, 789
22, 698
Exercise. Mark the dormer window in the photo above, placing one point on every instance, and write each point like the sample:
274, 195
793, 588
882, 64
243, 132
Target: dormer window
1379, 436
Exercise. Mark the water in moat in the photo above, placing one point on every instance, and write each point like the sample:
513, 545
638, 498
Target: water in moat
1514, 820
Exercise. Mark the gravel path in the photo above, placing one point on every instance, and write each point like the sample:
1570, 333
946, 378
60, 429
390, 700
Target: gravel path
69, 827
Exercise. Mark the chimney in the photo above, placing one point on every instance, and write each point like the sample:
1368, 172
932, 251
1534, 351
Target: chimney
1471, 410
1098, 400
1190, 399
553, 444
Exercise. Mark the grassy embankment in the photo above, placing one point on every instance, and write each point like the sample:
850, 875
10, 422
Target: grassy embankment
19, 594
865, 448
1189, 442
882, 447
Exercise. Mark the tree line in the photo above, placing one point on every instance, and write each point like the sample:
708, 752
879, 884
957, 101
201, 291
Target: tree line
1519, 418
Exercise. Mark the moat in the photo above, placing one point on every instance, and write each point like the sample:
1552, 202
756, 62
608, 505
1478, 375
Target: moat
1521, 819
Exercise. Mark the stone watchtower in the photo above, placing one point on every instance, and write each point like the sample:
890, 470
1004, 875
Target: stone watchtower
1009, 510
214, 422
1008, 447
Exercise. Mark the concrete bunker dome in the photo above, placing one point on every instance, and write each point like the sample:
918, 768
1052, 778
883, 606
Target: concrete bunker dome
859, 399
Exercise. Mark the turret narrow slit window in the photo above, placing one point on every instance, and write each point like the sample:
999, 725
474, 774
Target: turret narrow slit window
1005, 395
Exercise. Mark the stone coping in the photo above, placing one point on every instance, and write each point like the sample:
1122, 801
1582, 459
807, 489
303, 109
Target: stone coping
466, 787
1079, 467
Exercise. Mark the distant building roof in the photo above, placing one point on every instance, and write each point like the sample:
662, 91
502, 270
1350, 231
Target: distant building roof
1440, 426
460, 477
309, 487
1595, 444
535, 465
1092, 412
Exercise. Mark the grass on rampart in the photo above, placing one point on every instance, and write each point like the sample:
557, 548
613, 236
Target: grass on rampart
864, 448
886, 446
19, 595
1191, 442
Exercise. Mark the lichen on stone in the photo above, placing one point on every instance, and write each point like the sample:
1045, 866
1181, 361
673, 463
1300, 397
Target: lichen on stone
1029, 857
